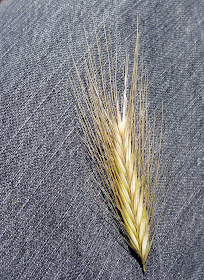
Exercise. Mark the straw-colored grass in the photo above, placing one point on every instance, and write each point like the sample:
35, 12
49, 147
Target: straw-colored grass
122, 142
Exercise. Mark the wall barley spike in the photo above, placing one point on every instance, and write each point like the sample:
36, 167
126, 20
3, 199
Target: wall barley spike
122, 141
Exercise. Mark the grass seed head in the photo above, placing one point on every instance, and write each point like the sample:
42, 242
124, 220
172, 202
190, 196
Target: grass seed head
121, 141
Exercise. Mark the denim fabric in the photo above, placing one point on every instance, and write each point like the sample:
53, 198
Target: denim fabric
51, 228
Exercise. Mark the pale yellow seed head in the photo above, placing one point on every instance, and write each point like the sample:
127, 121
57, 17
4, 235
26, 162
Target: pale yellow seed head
121, 144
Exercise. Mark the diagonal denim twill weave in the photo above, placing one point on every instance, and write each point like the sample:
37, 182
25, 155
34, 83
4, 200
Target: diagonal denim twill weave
50, 227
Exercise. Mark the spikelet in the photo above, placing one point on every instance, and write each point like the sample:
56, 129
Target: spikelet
122, 142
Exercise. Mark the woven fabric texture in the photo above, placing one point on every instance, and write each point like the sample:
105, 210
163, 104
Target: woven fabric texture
51, 227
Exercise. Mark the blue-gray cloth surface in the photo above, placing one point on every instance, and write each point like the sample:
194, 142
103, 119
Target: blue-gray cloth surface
51, 227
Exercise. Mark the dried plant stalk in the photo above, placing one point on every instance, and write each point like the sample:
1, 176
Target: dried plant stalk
122, 142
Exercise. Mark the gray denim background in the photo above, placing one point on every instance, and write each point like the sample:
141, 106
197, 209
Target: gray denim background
51, 228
